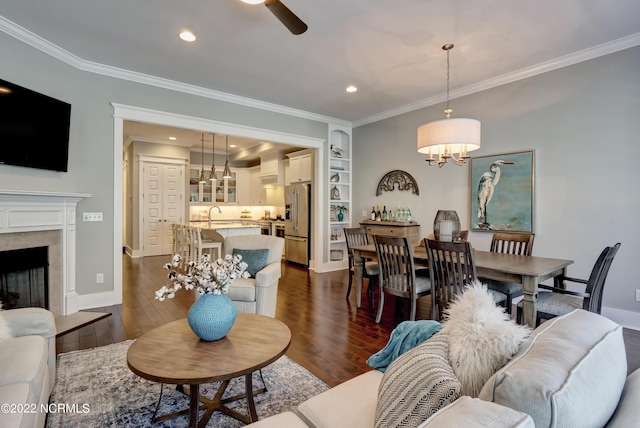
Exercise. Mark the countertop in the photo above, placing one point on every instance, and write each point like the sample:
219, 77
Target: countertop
231, 224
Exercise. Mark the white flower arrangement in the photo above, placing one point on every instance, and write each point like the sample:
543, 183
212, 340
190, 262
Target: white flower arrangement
205, 276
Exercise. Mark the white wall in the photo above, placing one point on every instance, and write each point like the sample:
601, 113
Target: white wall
582, 121
91, 150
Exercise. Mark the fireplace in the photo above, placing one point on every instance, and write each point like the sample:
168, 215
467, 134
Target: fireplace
30, 220
24, 278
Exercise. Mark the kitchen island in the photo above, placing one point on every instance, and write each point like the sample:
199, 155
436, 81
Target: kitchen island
217, 230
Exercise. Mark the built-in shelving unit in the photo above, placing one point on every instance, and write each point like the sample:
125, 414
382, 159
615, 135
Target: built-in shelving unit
339, 186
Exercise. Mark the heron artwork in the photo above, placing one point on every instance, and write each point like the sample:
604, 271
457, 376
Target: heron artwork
486, 188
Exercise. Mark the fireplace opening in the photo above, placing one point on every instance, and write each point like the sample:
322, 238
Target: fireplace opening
24, 278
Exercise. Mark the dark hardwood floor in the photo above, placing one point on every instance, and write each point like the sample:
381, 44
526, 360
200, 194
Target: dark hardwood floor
329, 336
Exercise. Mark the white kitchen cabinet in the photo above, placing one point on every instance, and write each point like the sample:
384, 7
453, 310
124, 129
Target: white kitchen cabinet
300, 166
232, 191
264, 194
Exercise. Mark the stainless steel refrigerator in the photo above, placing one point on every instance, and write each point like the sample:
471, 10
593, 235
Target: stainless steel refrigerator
297, 221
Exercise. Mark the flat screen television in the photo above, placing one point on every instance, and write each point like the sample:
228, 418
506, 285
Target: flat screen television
34, 129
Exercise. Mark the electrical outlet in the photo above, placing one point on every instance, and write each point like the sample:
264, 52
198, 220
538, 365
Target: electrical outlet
92, 217
99, 278
364, 213
637, 295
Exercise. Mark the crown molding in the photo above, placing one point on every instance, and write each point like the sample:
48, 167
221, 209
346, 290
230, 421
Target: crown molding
554, 64
57, 52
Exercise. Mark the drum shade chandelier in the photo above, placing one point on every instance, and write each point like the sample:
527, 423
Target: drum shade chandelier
448, 137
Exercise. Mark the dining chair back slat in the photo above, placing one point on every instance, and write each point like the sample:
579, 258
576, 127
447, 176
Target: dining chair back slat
520, 243
397, 272
451, 269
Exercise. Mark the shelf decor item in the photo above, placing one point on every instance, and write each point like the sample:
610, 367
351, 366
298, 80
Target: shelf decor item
341, 210
212, 315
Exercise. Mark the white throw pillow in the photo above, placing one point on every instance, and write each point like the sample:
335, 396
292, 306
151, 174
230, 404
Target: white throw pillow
5, 330
482, 338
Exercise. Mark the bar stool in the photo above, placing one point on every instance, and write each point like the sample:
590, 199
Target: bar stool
201, 245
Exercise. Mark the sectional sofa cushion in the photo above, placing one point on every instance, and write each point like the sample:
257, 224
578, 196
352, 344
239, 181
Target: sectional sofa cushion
476, 413
351, 404
627, 414
5, 330
416, 385
482, 338
569, 373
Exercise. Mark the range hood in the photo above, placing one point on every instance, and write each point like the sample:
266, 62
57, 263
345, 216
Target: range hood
272, 169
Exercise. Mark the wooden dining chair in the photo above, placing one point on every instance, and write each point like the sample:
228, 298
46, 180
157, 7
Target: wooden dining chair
560, 301
358, 236
520, 243
397, 273
451, 269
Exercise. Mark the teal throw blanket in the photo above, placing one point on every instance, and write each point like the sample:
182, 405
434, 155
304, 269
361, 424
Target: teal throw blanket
404, 337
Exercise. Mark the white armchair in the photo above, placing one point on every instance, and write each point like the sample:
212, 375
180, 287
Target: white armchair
257, 295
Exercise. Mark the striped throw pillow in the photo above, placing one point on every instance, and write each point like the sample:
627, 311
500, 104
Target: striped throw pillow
416, 385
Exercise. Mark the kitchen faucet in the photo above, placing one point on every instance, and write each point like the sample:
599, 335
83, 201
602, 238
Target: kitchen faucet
219, 212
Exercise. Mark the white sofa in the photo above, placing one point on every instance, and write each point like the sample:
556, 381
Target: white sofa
27, 367
571, 372
257, 295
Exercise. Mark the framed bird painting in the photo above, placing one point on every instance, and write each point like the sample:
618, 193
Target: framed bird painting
502, 192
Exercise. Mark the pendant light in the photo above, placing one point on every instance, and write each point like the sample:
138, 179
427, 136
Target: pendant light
444, 138
202, 179
213, 159
227, 173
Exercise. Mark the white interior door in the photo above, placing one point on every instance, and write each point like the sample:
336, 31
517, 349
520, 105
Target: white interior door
163, 204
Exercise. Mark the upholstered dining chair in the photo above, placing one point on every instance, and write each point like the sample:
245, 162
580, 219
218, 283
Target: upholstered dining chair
263, 253
559, 301
397, 274
520, 243
358, 236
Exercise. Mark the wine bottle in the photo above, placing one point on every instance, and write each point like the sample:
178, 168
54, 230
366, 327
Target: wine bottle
373, 213
409, 216
378, 214
385, 215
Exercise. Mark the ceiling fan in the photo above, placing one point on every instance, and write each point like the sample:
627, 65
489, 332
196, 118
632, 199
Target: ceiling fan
284, 14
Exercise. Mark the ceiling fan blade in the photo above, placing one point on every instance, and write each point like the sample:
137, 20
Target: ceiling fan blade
288, 18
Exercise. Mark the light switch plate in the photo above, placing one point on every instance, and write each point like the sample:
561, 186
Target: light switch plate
92, 217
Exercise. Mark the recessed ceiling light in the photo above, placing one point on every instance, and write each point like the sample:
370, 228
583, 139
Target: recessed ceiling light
351, 88
253, 1
232, 145
172, 138
187, 36
4, 90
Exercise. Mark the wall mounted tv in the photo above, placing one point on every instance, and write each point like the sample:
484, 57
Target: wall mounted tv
34, 129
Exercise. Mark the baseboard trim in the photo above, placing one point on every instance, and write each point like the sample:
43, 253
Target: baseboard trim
628, 319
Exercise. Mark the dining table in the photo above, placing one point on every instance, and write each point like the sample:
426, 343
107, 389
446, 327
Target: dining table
526, 270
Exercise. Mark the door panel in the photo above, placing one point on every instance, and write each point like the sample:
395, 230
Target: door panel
163, 204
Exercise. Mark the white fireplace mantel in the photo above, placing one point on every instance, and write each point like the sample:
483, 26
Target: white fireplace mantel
33, 211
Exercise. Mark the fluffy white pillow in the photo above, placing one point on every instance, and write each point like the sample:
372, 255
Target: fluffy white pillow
5, 330
482, 338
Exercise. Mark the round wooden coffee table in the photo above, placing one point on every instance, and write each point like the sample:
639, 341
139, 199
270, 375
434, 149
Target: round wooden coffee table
173, 354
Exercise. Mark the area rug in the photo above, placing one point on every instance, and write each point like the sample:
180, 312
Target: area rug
95, 388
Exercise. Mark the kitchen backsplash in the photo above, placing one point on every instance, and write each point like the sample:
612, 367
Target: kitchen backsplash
234, 212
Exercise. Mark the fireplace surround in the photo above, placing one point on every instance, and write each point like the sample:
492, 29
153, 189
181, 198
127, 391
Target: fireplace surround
33, 219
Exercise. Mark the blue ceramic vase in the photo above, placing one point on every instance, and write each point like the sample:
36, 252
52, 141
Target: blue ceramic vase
212, 316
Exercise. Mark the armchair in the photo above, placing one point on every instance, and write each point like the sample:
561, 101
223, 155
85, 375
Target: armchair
257, 295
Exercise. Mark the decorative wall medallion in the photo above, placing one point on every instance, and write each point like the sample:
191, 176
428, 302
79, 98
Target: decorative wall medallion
402, 179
